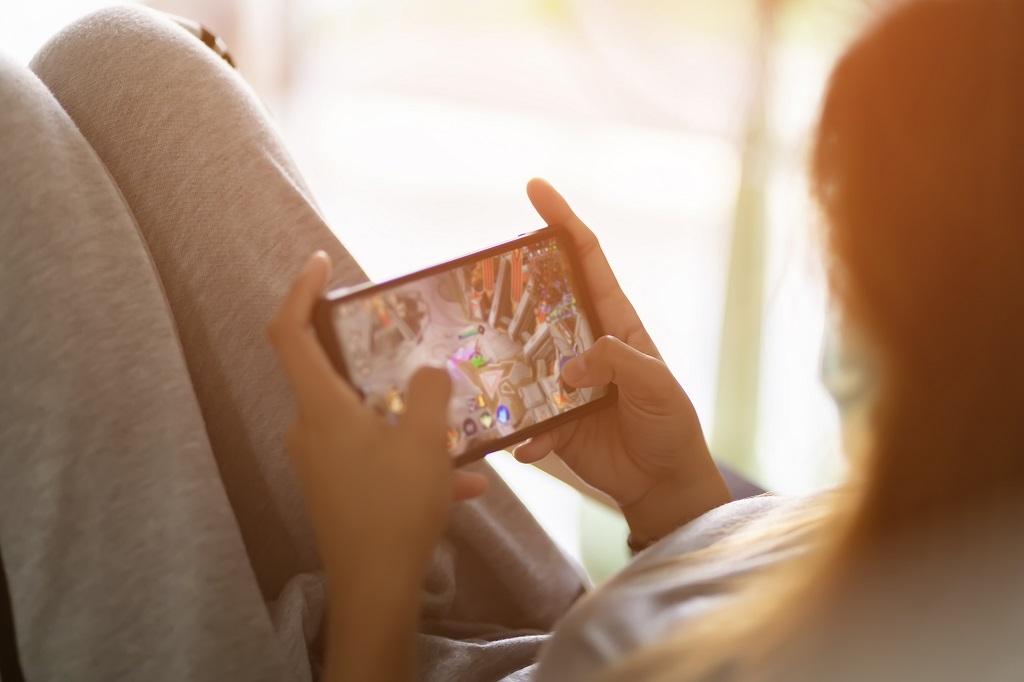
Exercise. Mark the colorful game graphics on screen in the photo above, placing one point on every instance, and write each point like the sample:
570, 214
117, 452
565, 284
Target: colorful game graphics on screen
503, 326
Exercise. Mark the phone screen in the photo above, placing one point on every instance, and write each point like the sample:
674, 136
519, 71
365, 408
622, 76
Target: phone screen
502, 324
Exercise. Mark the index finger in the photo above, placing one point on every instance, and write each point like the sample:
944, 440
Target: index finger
427, 406
317, 387
616, 313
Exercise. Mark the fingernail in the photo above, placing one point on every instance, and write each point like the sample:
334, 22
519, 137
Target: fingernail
574, 371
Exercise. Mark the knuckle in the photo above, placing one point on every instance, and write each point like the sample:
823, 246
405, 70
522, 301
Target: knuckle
586, 240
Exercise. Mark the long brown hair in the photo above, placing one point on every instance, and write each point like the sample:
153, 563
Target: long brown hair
918, 166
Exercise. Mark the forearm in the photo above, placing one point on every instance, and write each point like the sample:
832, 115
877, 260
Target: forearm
372, 619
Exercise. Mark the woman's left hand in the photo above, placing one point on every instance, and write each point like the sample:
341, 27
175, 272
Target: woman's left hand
376, 491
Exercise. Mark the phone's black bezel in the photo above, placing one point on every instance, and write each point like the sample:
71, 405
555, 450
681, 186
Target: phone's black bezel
323, 323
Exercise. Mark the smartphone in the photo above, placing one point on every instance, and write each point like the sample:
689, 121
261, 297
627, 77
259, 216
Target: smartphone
502, 321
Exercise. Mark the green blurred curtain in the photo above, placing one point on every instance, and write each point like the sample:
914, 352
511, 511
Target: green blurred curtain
734, 431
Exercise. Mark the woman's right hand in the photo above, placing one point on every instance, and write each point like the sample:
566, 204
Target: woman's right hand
648, 451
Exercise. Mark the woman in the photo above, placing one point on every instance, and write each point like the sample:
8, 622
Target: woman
918, 165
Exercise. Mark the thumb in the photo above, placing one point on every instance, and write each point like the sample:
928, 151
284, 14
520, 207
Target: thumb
427, 405
611, 361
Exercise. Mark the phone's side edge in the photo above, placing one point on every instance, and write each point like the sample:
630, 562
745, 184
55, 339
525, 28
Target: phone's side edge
336, 296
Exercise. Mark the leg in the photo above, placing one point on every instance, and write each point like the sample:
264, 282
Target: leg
123, 557
228, 220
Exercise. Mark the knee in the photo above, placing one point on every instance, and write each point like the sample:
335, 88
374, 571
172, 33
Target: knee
122, 63
103, 45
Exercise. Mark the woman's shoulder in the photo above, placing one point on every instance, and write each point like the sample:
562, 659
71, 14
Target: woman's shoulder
681, 577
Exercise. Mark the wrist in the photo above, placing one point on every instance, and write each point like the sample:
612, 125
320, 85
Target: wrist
373, 610
355, 552
351, 604
401, 572
672, 502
